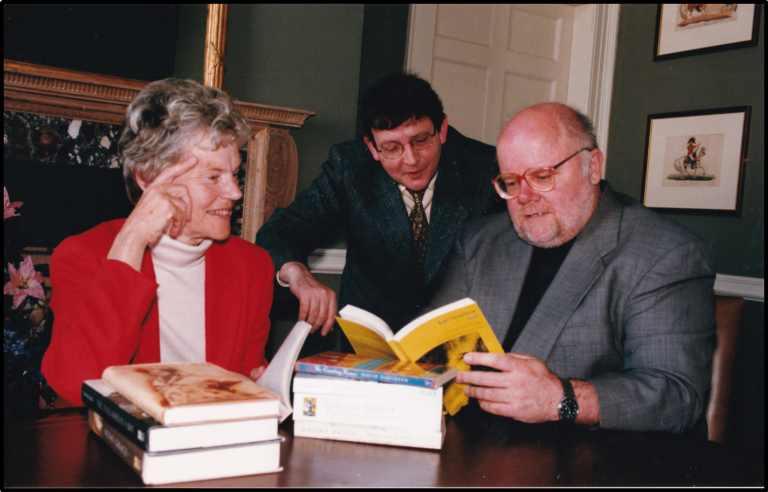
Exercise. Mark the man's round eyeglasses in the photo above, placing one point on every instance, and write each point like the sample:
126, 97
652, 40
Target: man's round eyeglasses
538, 178
393, 150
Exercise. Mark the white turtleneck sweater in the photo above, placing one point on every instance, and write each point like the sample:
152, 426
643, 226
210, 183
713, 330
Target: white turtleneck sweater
180, 273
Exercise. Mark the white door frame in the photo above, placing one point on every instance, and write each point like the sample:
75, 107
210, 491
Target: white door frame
593, 57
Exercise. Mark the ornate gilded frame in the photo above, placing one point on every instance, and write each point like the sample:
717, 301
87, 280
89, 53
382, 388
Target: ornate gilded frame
215, 45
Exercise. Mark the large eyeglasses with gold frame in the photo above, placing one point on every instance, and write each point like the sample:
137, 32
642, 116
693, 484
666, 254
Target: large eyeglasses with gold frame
538, 178
393, 150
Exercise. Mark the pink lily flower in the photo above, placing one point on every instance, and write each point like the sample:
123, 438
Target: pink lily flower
24, 282
9, 208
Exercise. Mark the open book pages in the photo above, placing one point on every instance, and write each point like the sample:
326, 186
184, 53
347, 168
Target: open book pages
440, 337
370, 320
278, 375
176, 393
424, 318
366, 340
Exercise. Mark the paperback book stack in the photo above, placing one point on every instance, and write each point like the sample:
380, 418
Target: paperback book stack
178, 422
352, 397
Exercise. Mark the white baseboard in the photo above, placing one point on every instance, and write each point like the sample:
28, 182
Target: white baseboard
752, 289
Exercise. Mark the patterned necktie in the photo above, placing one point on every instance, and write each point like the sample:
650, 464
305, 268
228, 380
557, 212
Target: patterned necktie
419, 230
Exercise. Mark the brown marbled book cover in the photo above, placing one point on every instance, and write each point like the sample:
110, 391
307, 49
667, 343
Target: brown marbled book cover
177, 393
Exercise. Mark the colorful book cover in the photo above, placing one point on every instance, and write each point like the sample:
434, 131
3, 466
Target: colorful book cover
369, 368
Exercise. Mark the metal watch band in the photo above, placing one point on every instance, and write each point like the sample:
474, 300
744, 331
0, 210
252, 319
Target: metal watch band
568, 388
568, 408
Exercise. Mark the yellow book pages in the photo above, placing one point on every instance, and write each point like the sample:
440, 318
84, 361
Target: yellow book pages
366, 341
443, 336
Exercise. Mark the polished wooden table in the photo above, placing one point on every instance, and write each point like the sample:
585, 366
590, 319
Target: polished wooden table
60, 451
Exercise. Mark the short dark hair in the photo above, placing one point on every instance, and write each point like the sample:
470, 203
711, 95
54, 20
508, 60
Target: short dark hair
397, 98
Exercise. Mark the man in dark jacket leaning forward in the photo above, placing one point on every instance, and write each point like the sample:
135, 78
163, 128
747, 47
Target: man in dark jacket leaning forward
400, 193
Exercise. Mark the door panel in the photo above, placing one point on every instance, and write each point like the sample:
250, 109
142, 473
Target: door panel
489, 61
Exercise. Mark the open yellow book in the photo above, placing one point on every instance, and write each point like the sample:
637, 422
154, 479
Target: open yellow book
440, 337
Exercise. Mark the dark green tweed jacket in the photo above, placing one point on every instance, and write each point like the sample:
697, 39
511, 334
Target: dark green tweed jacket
354, 191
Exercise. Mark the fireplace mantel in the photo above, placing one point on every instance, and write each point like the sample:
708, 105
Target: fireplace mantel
272, 165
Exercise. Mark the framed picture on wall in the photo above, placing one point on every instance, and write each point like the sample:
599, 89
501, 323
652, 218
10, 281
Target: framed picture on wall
694, 161
694, 28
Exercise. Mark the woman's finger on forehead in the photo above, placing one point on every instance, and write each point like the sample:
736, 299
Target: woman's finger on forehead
170, 173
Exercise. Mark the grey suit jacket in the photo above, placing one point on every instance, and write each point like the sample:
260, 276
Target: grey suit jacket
630, 310
354, 191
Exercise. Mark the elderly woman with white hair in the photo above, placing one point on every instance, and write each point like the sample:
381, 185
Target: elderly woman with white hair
168, 283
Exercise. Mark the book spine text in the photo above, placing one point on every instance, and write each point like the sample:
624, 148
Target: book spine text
120, 444
136, 430
382, 377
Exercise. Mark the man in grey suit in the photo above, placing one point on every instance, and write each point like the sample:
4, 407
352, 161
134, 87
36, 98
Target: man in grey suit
604, 307
400, 193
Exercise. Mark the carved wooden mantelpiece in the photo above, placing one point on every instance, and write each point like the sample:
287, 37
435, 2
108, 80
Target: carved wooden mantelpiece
272, 166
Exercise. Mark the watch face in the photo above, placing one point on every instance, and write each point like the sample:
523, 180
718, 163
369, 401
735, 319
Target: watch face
568, 409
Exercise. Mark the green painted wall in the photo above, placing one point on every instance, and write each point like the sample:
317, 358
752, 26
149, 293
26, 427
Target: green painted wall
715, 80
190, 42
385, 34
304, 57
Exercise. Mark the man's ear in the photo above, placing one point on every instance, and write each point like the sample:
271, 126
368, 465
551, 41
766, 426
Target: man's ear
371, 147
444, 130
596, 167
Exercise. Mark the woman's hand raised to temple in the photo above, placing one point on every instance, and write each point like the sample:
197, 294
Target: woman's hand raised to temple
164, 207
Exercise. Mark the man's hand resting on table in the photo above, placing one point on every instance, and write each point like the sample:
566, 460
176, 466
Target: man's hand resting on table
317, 303
524, 389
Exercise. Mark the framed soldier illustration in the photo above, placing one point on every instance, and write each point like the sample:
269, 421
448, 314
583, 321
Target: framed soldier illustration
694, 28
695, 161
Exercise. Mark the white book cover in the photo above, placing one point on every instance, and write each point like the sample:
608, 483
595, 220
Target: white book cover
331, 385
383, 412
416, 438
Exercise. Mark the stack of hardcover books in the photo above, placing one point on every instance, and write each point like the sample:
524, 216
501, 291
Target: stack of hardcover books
178, 422
352, 397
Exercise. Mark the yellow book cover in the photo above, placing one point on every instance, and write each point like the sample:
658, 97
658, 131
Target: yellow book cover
439, 337
176, 393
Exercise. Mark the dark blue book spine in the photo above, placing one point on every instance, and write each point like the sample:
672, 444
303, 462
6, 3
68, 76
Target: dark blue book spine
382, 377
131, 427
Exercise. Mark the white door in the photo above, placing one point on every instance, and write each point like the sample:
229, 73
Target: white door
489, 61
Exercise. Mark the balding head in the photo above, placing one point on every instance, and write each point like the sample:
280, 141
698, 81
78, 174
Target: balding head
542, 136
557, 122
